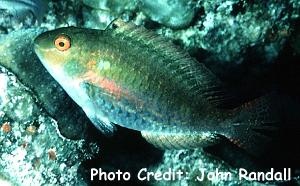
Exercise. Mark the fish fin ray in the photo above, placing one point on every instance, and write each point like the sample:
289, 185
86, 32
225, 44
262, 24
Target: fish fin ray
255, 126
179, 140
253, 140
101, 123
105, 126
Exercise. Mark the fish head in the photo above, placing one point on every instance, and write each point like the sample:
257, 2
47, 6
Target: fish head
75, 57
64, 52
69, 54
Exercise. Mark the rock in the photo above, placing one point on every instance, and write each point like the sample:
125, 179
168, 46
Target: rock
99, 19
171, 13
228, 30
33, 152
99, 13
16, 14
191, 163
114, 6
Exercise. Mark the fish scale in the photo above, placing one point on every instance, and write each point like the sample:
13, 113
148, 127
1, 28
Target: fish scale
137, 80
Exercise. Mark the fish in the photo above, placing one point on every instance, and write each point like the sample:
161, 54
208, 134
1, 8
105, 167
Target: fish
127, 75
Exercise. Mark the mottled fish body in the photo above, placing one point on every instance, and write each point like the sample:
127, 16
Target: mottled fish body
133, 78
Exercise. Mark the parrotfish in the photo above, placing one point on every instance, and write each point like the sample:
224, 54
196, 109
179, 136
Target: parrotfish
128, 76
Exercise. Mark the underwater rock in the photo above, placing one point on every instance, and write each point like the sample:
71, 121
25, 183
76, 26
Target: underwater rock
21, 13
171, 13
193, 162
228, 30
17, 55
24, 111
116, 6
63, 14
99, 13
22, 7
97, 18
33, 152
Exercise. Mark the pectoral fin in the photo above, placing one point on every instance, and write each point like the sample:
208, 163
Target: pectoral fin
180, 140
102, 124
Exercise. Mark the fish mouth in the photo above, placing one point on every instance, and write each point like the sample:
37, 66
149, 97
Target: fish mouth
41, 42
36, 46
38, 51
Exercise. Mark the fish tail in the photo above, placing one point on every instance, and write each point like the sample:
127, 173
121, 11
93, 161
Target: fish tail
255, 125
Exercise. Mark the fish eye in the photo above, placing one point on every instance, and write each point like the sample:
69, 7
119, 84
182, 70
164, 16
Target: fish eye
62, 42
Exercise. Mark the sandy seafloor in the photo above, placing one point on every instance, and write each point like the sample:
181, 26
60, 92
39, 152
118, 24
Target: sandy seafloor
46, 139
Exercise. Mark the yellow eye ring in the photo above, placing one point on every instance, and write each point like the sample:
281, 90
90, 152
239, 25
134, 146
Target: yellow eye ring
62, 43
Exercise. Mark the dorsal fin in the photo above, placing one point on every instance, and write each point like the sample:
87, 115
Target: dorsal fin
179, 140
198, 81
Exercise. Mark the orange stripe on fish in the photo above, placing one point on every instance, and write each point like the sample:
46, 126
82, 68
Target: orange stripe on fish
111, 87
104, 83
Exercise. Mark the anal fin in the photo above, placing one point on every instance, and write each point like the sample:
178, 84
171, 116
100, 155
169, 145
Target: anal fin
180, 140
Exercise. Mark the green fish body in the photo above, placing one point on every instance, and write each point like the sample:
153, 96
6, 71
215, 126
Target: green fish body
128, 76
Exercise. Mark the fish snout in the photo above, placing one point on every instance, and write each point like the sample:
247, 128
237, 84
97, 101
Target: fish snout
42, 43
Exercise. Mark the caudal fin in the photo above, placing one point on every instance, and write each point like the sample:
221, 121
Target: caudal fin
255, 125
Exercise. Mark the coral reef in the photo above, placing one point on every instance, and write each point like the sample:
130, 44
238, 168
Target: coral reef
32, 150
43, 133
229, 29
